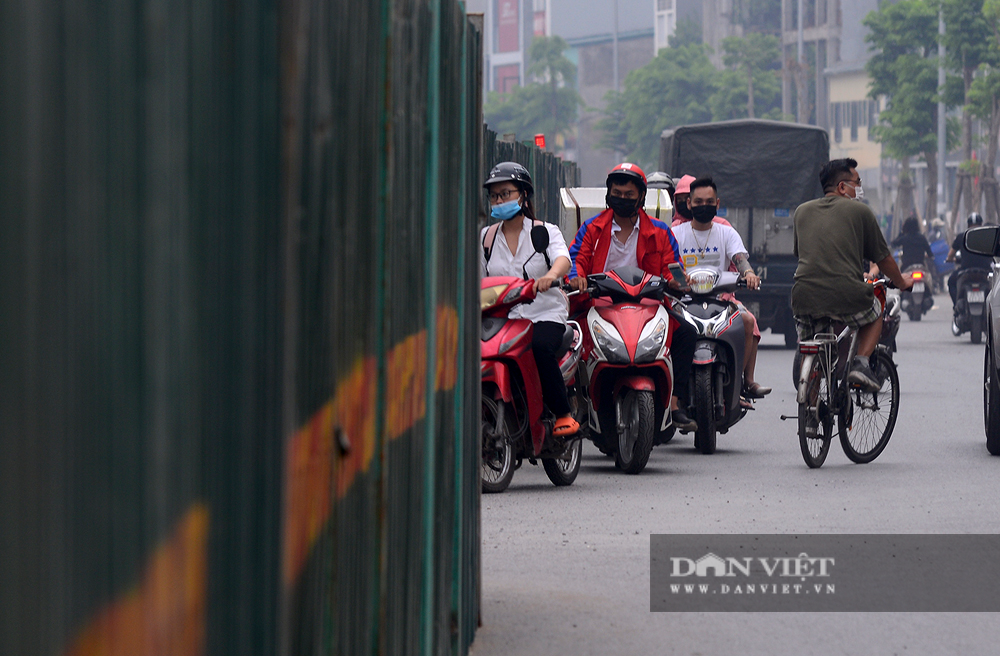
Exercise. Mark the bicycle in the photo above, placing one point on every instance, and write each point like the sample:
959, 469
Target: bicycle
865, 419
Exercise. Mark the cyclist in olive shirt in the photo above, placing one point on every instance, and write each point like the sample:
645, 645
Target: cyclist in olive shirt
833, 236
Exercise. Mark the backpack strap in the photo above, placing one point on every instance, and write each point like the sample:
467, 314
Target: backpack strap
489, 237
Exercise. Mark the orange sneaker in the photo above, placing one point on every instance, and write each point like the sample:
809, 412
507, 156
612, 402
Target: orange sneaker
566, 426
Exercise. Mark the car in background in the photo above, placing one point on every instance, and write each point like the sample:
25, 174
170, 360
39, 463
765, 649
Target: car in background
986, 241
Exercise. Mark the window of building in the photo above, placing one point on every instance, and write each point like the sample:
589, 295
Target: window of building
664, 5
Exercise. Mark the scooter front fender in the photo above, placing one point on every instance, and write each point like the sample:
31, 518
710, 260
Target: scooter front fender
638, 383
498, 373
705, 352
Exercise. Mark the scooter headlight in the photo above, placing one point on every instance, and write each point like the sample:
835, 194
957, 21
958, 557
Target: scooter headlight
612, 347
488, 296
703, 281
647, 348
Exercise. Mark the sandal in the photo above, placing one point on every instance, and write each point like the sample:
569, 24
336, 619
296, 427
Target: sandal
566, 426
756, 391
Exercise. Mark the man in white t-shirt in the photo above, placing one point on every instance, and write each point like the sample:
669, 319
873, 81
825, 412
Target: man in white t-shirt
704, 243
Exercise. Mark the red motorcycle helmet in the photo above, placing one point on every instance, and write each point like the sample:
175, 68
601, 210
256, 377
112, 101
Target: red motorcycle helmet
627, 172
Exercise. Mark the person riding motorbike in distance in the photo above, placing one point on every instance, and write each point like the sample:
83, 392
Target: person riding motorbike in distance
510, 253
968, 259
914, 244
832, 238
624, 235
705, 242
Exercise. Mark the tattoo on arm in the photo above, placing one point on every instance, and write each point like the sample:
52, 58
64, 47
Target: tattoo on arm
742, 263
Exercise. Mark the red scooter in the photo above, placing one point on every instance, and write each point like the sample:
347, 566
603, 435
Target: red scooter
514, 425
628, 365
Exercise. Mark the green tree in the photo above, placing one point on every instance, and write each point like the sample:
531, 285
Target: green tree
983, 102
548, 104
967, 41
903, 68
671, 90
750, 80
687, 32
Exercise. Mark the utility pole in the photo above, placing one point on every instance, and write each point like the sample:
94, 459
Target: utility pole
942, 144
800, 72
614, 47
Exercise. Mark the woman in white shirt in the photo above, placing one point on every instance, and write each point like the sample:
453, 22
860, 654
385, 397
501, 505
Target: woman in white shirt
512, 254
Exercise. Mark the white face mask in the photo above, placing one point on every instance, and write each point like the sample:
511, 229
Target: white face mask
859, 191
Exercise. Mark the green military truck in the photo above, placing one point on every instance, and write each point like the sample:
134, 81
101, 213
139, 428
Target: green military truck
764, 170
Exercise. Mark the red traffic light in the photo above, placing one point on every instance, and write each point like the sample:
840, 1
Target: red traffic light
540, 140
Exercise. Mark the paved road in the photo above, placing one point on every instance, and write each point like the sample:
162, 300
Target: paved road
567, 570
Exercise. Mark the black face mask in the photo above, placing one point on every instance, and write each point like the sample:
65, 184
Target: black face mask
703, 213
684, 210
624, 207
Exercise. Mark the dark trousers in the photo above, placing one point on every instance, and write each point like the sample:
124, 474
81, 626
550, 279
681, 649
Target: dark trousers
545, 341
952, 283
682, 353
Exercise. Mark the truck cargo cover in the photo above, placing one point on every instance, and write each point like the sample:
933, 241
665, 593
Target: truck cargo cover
755, 163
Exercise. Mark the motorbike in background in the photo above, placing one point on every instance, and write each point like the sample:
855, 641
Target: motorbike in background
628, 364
971, 289
921, 299
717, 369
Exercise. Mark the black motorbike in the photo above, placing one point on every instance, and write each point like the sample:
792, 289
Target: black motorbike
971, 289
717, 370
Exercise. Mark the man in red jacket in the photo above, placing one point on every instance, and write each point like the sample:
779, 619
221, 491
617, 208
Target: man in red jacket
624, 235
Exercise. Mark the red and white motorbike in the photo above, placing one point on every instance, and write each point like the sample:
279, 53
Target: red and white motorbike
515, 426
628, 365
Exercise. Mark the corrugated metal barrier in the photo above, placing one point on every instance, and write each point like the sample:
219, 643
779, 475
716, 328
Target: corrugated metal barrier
239, 330
548, 172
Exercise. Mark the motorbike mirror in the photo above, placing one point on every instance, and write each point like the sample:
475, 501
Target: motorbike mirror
982, 241
540, 238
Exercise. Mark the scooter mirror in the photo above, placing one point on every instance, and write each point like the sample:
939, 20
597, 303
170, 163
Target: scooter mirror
539, 238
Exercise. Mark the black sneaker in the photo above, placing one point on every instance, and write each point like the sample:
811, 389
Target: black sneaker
682, 421
862, 376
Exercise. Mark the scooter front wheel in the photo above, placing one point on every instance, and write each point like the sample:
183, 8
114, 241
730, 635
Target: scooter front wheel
704, 410
563, 470
635, 437
498, 450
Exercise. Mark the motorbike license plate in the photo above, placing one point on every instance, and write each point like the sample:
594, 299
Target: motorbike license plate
976, 297
918, 286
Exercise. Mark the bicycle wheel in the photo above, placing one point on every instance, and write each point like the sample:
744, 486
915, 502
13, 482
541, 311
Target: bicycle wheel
865, 431
815, 418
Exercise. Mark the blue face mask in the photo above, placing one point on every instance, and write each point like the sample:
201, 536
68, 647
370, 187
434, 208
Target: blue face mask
506, 211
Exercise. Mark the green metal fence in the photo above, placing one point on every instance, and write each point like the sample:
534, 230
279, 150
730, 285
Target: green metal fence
548, 172
239, 330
